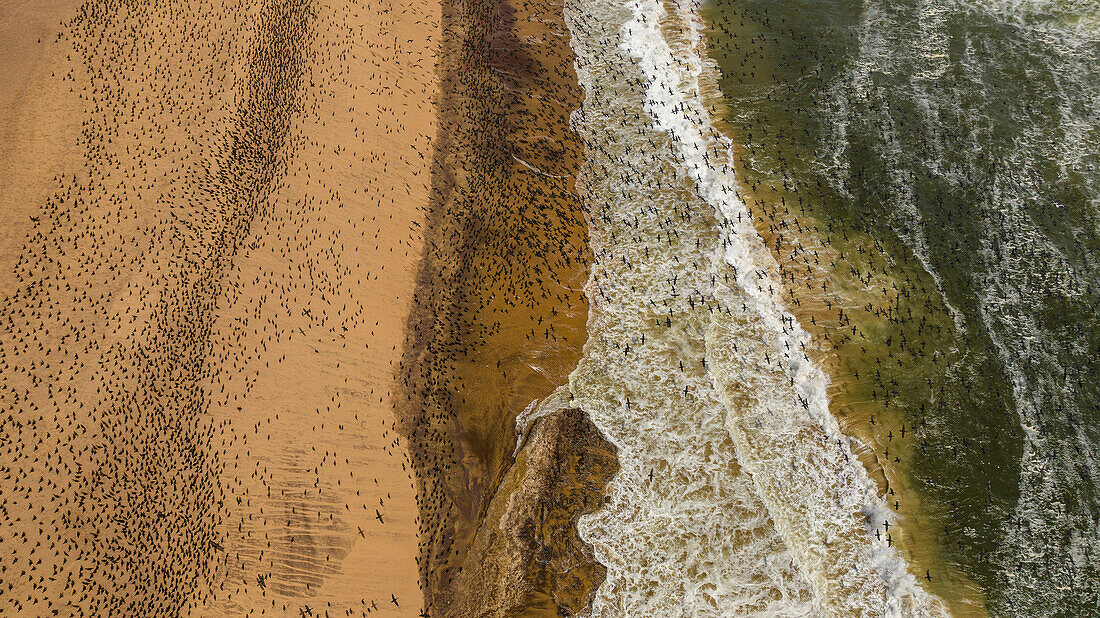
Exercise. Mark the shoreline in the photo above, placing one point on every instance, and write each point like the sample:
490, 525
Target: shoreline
500, 301
323, 468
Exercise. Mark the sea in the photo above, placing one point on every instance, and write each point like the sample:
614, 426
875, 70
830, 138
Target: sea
843, 320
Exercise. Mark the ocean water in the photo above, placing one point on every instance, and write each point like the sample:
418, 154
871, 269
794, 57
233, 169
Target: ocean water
738, 492
964, 138
842, 317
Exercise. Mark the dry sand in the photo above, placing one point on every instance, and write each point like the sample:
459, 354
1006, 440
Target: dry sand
38, 131
211, 224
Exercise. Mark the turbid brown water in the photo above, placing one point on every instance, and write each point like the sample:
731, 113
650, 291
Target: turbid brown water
500, 311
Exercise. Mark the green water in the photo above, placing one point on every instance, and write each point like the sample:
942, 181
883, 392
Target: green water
962, 138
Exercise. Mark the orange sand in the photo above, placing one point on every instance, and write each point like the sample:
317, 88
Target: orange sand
38, 132
190, 426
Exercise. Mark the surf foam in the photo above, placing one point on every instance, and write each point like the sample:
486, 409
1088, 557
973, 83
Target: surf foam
757, 405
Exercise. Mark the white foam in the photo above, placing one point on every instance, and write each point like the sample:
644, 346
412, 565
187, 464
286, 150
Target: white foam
766, 402
695, 539
676, 81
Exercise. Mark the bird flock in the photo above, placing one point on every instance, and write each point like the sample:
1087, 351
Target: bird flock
499, 314
937, 275
199, 350
267, 340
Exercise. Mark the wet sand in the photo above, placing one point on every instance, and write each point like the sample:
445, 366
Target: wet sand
500, 309
212, 219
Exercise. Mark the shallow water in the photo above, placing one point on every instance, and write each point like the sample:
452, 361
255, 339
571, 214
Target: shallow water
962, 138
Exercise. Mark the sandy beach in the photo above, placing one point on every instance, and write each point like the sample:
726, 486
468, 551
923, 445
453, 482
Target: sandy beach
212, 217
39, 134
